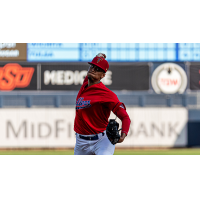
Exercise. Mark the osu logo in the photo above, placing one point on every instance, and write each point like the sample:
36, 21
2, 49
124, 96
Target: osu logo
13, 76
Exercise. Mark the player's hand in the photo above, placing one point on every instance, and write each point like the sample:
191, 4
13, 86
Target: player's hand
123, 135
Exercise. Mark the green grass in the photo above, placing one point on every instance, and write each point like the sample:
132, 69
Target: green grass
158, 152
194, 151
37, 152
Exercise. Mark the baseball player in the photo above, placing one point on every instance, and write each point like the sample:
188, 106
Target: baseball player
94, 104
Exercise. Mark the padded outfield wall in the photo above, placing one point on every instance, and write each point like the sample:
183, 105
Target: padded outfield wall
53, 127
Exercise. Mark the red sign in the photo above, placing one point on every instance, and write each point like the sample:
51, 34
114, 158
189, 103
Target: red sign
167, 81
13, 76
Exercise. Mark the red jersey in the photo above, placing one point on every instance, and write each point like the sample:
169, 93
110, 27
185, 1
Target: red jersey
93, 107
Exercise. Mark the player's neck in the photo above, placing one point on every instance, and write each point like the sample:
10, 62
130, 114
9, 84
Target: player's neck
90, 83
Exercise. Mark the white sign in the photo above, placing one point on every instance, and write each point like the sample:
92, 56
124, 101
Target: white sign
156, 127
54, 127
68, 77
37, 127
169, 78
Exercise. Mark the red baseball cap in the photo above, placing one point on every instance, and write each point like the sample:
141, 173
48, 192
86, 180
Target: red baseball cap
100, 61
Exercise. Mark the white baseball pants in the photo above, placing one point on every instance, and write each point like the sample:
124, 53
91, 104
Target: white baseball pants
101, 146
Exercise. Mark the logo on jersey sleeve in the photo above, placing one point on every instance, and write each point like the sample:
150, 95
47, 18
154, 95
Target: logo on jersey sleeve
81, 104
121, 106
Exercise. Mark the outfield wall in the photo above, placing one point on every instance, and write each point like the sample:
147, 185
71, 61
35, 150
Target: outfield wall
53, 127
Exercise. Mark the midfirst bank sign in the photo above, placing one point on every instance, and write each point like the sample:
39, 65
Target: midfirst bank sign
53, 127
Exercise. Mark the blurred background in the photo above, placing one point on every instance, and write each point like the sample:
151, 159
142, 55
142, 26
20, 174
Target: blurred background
158, 82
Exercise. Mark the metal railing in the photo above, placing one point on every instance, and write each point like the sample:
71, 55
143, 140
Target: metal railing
63, 99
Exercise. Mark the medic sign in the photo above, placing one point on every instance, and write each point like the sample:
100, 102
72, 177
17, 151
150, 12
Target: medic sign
70, 76
66, 76
14, 76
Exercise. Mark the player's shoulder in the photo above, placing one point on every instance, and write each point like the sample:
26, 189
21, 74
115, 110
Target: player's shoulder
107, 90
104, 87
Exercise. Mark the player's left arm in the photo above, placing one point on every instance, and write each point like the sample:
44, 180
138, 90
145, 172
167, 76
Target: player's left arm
121, 113
119, 109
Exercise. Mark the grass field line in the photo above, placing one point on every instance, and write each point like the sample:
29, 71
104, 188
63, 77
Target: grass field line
177, 151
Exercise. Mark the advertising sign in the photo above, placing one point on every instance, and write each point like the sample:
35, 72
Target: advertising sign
14, 76
41, 127
52, 52
53, 127
116, 52
169, 78
156, 127
70, 76
13, 51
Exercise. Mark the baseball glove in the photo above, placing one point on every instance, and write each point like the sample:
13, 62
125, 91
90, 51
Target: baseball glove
112, 131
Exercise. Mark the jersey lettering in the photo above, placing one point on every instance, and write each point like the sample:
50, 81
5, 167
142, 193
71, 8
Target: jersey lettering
81, 104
